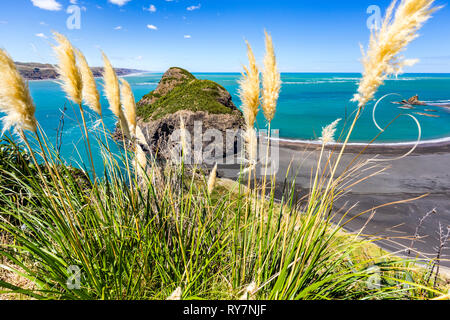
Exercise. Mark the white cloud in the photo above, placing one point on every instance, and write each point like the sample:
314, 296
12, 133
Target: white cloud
192, 8
73, 1
118, 28
41, 35
152, 8
187, 36
152, 27
51, 5
119, 2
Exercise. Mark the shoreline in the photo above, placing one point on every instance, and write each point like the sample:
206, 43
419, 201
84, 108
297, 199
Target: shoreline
433, 146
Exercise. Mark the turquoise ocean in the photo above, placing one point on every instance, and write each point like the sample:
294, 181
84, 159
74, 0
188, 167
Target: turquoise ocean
307, 103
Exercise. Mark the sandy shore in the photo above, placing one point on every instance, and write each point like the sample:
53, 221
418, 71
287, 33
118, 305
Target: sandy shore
426, 171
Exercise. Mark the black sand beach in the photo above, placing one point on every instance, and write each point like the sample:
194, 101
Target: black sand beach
425, 172
424, 175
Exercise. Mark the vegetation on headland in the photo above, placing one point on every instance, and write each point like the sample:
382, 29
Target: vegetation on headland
187, 93
141, 231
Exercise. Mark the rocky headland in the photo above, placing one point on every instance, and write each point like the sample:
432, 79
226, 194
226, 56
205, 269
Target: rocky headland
202, 104
45, 71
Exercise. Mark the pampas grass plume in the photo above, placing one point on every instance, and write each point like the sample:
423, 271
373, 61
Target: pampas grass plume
112, 93
129, 105
212, 180
271, 81
249, 291
329, 131
176, 295
69, 75
15, 98
89, 93
381, 58
140, 161
249, 89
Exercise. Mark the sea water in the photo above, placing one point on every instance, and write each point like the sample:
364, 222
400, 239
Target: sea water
307, 103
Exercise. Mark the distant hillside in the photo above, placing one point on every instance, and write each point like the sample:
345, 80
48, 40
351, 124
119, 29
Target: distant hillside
40, 71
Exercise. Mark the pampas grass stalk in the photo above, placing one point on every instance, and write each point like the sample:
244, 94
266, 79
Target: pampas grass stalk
71, 81
112, 93
90, 93
270, 95
17, 103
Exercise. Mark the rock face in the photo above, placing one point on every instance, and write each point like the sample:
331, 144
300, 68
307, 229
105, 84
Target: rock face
204, 105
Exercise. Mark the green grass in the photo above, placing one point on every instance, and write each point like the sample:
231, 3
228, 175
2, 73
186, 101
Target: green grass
144, 241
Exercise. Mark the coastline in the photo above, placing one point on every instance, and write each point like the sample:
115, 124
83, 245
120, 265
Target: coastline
441, 145
133, 74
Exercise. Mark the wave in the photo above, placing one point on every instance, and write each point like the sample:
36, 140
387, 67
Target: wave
386, 144
319, 81
145, 84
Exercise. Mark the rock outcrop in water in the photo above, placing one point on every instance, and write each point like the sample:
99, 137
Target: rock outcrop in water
202, 104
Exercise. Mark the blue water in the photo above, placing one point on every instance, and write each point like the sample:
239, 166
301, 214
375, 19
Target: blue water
307, 103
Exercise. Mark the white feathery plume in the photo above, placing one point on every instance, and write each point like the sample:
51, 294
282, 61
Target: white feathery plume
112, 93
129, 105
382, 57
328, 132
67, 68
176, 295
15, 98
271, 81
212, 180
90, 94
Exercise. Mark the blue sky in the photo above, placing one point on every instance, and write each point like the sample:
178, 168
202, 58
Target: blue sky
208, 35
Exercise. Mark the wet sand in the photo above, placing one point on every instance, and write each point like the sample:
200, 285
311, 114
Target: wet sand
425, 172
